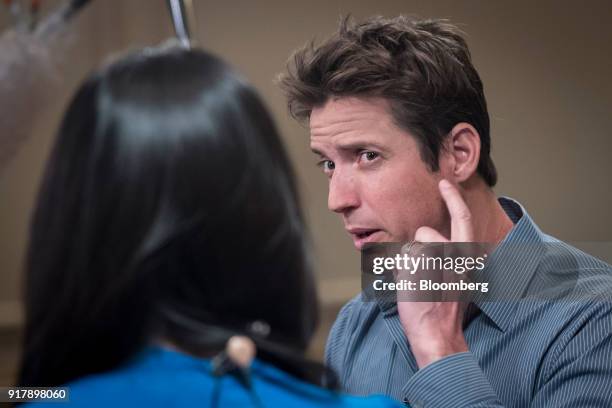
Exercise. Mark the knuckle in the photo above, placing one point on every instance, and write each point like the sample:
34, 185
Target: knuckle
464, 215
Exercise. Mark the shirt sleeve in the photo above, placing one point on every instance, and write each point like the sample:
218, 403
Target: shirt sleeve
454, 381
577, 374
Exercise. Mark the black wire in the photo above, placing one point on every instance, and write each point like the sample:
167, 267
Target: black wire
216, 394
225, 367
73, 7
77, 4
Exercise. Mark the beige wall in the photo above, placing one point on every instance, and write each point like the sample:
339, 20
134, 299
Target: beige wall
546, 68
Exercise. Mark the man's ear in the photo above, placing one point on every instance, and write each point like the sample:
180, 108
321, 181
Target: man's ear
463, 150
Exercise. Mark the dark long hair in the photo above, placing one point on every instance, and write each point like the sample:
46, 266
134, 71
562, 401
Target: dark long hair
168, 209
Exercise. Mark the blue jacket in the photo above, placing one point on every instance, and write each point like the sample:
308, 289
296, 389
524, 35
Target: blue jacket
160, 377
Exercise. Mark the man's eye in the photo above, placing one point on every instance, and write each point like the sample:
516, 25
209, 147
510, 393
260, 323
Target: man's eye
326, 165
369, 156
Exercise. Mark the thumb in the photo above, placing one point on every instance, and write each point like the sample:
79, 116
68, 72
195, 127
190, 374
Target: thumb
428, 234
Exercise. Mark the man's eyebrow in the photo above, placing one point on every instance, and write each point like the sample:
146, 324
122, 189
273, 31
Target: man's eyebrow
358, 145
317, 152
352, 146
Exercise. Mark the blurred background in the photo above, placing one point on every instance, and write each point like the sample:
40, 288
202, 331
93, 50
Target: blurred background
546, 67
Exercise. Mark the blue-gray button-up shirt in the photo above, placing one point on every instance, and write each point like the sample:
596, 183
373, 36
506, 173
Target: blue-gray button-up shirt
533, 352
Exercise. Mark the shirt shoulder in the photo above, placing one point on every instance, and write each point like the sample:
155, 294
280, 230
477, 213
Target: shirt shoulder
573, 273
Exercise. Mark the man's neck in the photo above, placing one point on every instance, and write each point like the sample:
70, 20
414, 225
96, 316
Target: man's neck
491, 223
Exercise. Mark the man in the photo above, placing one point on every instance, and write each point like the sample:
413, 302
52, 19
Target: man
399, 121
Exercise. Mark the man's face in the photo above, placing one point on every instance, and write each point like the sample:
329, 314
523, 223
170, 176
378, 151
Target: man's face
378, 182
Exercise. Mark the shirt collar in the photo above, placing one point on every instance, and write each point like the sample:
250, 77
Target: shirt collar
511, 266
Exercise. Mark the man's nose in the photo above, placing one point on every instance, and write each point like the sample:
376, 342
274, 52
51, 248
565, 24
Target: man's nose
343, 193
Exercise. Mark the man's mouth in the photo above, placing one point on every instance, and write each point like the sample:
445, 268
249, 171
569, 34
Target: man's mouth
361, 236
364, 234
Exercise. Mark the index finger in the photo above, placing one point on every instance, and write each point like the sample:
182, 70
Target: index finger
462, 229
